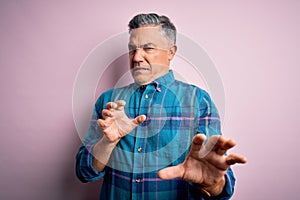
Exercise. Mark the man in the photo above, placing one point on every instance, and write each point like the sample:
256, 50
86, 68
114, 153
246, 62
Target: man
147, 139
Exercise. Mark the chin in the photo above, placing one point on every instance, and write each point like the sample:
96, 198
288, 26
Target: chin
141, 82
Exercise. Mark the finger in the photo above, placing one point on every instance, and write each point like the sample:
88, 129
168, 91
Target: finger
171, 172
102, 123
224, 145
120, 104
219, 143
111, 105
212, 142
234, 158
139, 119
209, 146
197, 142
106, 113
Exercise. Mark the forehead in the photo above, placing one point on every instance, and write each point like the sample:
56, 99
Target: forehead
147, 34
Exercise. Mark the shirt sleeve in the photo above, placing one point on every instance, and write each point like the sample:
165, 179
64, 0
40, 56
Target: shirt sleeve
225, 194
209, 124
229, 186
209, 119
84, 168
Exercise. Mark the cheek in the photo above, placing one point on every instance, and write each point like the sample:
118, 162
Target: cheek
160, 60
130, 62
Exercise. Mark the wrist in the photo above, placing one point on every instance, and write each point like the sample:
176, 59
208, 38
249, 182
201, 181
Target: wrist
101, 152
213, 190
106, 141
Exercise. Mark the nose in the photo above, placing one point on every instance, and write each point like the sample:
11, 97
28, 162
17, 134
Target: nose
138, 55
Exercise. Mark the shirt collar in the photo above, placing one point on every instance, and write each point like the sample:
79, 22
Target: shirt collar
165, 80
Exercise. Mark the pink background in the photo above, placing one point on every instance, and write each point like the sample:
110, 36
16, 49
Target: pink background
254, 45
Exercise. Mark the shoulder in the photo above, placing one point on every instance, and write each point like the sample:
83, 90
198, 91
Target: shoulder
188, 88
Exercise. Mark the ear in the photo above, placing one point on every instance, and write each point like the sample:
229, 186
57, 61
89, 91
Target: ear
172, 52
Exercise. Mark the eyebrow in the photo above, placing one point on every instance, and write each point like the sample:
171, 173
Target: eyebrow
132, 46
148, 44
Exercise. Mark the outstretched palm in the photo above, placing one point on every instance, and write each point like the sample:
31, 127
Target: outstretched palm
205, 165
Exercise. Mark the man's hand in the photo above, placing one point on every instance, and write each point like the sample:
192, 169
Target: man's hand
205, 165
115, 123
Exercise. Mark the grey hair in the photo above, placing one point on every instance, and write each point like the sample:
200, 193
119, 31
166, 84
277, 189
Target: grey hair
167, 27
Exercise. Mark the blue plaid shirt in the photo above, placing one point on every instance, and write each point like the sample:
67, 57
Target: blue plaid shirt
175, 112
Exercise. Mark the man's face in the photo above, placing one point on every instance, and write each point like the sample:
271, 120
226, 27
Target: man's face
149, 54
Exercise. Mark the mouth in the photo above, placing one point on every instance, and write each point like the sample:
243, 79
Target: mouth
140, 69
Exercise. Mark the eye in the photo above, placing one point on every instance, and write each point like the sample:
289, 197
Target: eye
132, 51
148, 49
131, 48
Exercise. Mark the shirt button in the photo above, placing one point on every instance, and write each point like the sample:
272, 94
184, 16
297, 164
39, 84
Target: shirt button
146, 96
138, 180
139, 149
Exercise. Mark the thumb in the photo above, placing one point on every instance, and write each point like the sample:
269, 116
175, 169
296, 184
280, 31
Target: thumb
171, 172
139, 119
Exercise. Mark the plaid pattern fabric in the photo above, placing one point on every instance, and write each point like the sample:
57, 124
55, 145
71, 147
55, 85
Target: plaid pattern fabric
175, 112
